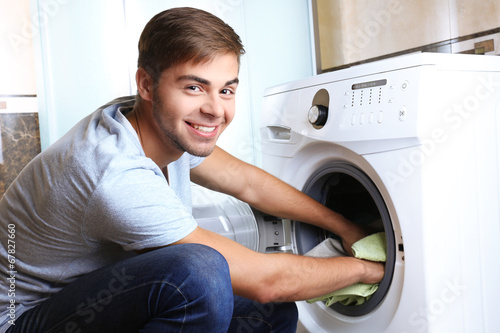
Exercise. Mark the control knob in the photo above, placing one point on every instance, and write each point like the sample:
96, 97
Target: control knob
318, 115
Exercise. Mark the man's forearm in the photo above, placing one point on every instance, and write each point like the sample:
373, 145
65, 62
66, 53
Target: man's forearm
300, 278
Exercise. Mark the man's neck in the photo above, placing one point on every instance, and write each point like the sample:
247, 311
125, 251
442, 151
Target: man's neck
142, 121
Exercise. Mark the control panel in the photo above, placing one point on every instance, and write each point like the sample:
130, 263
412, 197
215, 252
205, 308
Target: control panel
365, 108
369, 101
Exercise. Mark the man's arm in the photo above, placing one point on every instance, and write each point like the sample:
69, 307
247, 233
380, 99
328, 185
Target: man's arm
281, 277
222, 172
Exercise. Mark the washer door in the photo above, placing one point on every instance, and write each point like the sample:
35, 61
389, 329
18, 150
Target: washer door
228, 217
347, 190
236, 220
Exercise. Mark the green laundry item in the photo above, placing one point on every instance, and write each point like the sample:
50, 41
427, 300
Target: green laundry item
355, 294
372, 248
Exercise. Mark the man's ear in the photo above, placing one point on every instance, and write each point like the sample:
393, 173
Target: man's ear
144, 84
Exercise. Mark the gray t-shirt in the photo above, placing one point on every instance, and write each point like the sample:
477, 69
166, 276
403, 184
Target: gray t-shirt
87, 201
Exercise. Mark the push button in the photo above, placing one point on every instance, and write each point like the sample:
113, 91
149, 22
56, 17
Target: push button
380, 117
403, 113
362, 119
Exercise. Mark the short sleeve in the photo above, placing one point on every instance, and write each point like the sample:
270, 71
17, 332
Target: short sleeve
137, 210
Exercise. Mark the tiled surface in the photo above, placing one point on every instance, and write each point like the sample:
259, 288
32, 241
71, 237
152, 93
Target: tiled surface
471, 16
20, 142
353, 31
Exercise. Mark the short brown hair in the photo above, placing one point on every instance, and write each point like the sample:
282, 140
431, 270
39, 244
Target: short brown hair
179, 35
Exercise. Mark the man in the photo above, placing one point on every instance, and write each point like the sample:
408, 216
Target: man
104, 237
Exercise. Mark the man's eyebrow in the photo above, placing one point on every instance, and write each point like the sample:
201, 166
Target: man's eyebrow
194, 78
234, 81
204, 81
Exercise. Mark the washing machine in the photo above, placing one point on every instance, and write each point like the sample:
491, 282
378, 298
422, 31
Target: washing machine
408, 146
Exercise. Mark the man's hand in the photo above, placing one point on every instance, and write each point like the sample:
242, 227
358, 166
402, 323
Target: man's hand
353, 233
374, 272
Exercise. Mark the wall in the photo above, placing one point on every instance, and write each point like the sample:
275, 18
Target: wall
80, 60
19, 128
17, 66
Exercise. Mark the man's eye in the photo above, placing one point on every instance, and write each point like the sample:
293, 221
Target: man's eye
226, 91
194, 88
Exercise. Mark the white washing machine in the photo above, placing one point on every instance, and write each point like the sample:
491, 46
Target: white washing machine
408, 145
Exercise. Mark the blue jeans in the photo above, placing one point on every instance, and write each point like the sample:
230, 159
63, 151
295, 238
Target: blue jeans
181, 288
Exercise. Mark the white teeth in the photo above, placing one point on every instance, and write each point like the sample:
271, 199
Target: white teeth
203, 128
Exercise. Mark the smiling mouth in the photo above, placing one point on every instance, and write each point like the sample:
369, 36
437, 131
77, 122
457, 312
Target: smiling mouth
203, 129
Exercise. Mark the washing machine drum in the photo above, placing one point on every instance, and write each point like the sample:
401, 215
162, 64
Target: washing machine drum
347, 190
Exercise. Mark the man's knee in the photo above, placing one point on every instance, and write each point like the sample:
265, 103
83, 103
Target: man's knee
202, 268
201, 260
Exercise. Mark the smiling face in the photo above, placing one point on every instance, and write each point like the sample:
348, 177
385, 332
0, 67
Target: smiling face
194, 103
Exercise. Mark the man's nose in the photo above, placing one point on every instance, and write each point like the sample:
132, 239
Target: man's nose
213, 106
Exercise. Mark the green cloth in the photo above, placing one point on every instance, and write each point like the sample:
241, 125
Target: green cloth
371, 248
355, 294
